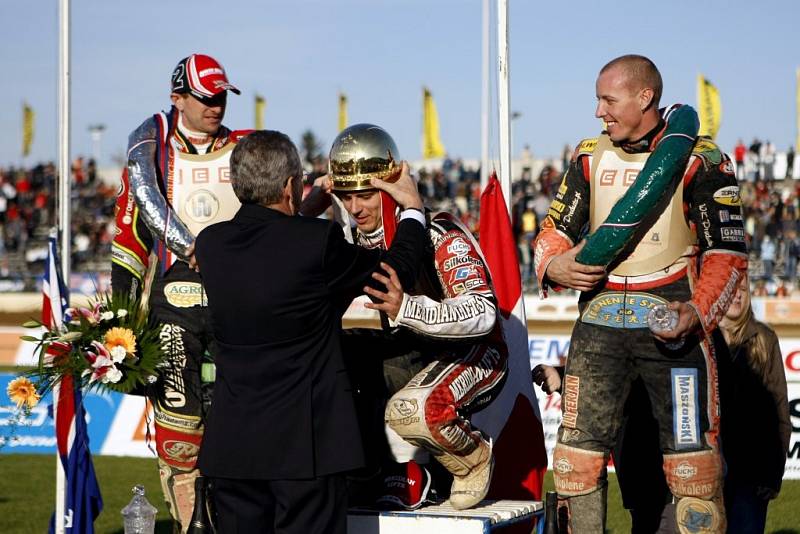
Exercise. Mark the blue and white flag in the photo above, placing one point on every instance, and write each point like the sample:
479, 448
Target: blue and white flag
82, 499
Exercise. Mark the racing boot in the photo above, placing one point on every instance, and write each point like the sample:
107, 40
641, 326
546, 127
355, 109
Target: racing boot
472, 475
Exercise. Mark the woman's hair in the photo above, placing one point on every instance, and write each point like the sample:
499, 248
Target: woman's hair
734, 329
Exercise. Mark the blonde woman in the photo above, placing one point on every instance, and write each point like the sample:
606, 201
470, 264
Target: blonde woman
755, 423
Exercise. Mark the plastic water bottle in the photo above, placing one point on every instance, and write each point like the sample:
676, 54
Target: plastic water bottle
139, 516
661, 319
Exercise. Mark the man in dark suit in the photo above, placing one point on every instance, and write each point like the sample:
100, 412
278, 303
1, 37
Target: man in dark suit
282, 428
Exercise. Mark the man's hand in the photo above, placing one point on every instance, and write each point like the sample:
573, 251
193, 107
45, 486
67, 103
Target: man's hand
390, 300
192, 260
318, 199
547, 377
565, 271
404, 191
688, 322
324, 182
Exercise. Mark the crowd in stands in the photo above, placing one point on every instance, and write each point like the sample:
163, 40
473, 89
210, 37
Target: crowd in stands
28, 211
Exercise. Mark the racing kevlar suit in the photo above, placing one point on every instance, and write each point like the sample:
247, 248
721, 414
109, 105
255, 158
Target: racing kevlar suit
694, 251
168, 194
453, 302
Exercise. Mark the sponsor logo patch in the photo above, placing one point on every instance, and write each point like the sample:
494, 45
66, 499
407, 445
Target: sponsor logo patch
733, 234
728, 196
724, 216
569, 401
185, 294
620, 310
459, 247
684, 471
727, 167
685, 412
562, 466
181, 451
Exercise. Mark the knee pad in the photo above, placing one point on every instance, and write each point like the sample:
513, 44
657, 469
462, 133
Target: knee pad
178, 488
694, 474
577, 471
698, 516
405, 414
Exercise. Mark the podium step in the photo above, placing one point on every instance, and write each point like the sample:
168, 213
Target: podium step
498, 517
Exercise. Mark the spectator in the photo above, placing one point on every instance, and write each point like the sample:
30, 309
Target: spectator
792, 256
768, 160
768, 256
738, 154
755, 415
790, 163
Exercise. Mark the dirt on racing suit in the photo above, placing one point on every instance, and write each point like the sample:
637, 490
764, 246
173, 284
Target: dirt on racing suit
172, 194
453, 302
692, 251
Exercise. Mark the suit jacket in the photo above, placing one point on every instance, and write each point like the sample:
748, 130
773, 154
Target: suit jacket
277, 287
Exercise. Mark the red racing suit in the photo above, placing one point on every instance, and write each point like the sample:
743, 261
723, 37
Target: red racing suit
611, 345
147, 221
454, 301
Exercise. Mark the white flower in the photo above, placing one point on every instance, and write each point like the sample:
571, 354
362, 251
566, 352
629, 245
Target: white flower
112, 375
118, 354
107, 315
122, 312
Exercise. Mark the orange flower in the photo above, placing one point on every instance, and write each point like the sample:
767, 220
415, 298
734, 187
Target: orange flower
120, 337
22, 391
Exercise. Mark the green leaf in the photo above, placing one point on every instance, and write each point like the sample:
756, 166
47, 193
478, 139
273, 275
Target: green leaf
30, 338
31, 324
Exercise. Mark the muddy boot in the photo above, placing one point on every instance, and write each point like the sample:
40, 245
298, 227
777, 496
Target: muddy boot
472, 475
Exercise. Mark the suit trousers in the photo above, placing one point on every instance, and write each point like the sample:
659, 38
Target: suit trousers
312, 506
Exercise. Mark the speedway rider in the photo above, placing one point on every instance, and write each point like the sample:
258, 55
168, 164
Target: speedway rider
453, 301
690, 255
176, 183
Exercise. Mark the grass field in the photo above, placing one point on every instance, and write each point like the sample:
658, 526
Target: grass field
27, 487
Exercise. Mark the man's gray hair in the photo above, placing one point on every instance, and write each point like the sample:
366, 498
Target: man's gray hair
261, 163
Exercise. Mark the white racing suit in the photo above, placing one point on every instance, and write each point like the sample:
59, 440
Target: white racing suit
453, 302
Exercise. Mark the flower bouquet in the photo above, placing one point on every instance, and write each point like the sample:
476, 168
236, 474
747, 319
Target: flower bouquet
108, 345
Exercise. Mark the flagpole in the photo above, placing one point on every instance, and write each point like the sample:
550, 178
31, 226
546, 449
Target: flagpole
485, 99
63, 201
504, 100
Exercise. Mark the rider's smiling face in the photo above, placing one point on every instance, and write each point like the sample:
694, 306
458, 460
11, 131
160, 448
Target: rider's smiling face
622, 103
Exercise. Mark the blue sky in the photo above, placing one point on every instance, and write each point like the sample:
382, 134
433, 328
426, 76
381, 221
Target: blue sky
300, 53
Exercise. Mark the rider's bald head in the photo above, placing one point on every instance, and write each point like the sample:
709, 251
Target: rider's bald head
640, 73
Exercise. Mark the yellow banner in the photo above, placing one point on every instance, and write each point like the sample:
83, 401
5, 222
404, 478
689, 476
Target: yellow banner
261, 105
709, 107
28, 117
342, 111
432, 146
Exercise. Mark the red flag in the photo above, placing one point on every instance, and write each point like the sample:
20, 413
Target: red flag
512, 419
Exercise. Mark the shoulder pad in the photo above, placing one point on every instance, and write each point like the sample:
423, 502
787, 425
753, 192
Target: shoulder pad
236, 135
584, 148
444, 221
708, 151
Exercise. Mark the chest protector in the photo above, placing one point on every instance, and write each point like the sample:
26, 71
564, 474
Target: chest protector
613, 171
200, 189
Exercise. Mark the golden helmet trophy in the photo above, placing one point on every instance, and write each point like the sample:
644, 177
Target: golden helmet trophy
359, 153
